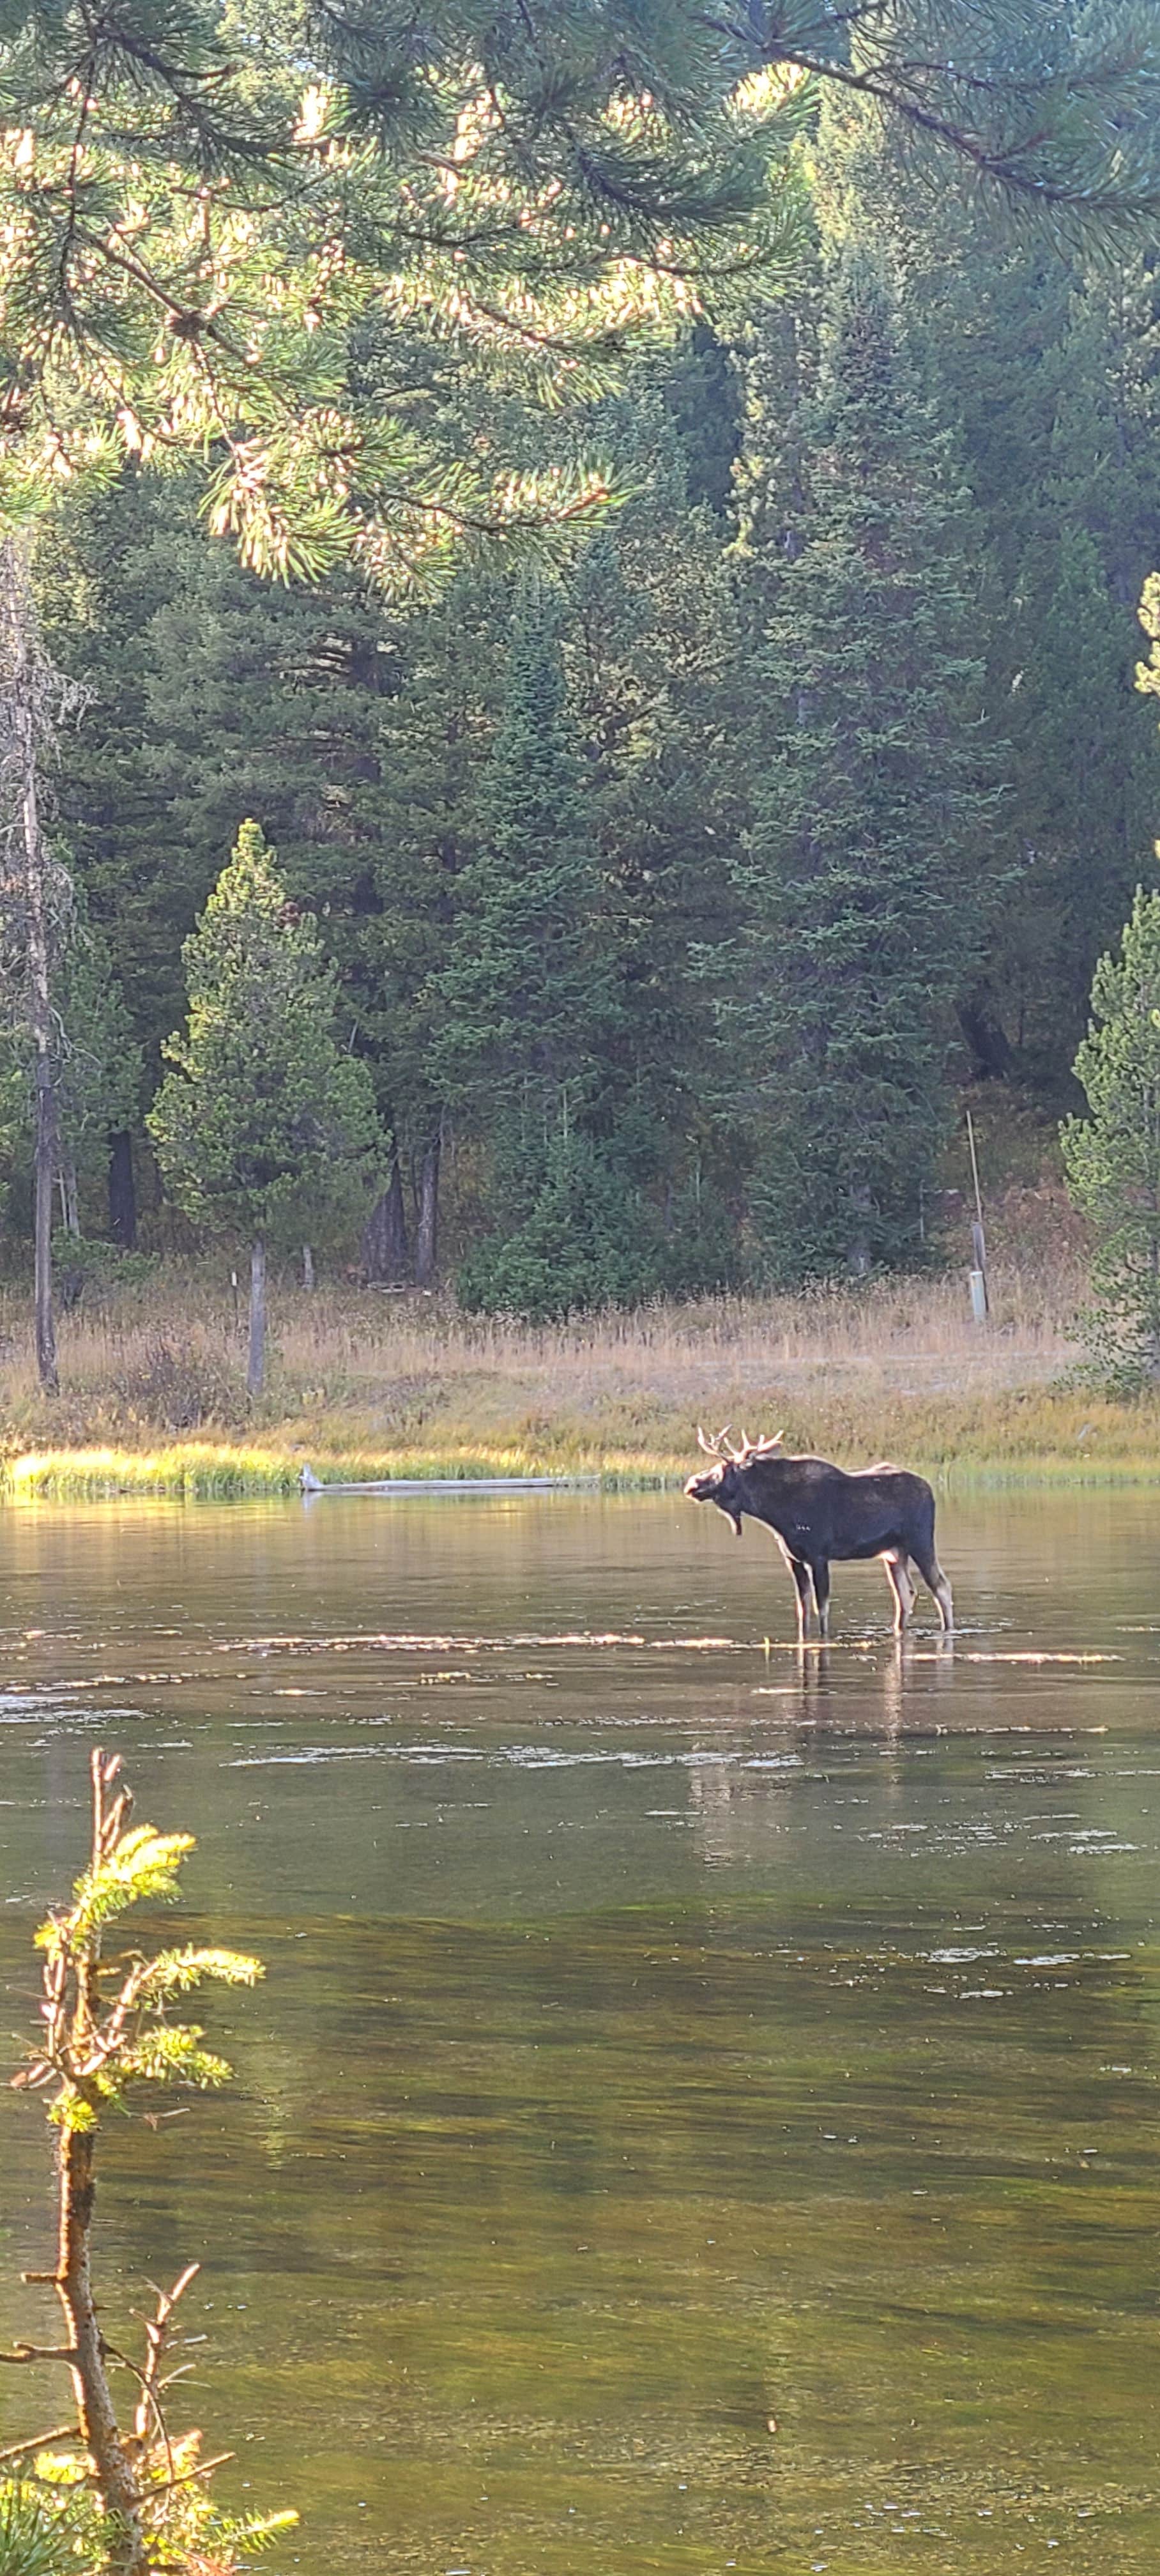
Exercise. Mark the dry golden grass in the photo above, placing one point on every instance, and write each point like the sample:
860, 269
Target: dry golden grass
360, 1382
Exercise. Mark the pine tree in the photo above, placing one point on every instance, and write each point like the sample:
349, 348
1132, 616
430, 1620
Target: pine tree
99, 1067
650, 653
36, 700
524, 997
436, 735
526, 1007
1080, 760
1085, 770
212, 695
871, 802
283, 177
127, 582
263, 1125
1112, 1157
1045, 366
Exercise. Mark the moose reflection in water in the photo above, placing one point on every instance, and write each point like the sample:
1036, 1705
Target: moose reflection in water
819, 1512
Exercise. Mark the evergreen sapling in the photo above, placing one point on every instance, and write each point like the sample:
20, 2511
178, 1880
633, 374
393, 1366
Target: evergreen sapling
264, 1126
1112, 1157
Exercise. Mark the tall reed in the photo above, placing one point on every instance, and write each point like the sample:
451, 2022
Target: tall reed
369, 1382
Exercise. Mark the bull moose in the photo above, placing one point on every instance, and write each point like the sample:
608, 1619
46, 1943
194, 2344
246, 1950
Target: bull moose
818, 1512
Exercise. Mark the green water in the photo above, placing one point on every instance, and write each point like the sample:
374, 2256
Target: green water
702, 2111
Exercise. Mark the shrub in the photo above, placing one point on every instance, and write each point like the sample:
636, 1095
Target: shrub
179, 1388
587, 1240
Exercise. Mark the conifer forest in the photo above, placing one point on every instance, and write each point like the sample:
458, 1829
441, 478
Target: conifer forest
579, 863
604, 549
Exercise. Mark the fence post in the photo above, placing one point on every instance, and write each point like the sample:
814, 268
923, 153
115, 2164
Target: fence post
980, 1298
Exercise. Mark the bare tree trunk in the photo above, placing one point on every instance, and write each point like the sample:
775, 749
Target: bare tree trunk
256, 1366
427, 1219
307, 1266
860, 1243
122, 1190
40, 1017
45, 1164
120, 2492
33, 699
385, 1251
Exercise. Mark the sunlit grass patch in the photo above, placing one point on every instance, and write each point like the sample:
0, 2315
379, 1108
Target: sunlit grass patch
365, 1387
198, 1470
187, 1469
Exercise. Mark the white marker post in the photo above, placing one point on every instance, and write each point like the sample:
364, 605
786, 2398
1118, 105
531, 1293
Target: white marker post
980, 1300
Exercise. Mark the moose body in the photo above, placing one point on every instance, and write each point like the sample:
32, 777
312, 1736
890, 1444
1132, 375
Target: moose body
819, 1513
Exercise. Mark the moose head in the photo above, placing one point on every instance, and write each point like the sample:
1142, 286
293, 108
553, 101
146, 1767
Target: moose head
723, 1482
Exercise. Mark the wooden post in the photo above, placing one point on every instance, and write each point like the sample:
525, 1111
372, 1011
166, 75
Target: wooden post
256, 1369
980, 1297
427, 1220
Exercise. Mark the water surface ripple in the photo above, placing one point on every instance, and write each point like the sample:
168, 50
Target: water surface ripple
701, 2114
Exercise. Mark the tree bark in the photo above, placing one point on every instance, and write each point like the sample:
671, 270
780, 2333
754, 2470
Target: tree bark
859, 1254
120, 2493
29, 689
45, 1168
256, 1365
427, 1219
385, 1250
122, 1190
40, 1019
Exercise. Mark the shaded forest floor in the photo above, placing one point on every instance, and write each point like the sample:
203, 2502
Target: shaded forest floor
364, 1382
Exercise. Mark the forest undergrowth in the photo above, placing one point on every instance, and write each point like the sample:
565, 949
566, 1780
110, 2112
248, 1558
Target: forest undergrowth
367, 1383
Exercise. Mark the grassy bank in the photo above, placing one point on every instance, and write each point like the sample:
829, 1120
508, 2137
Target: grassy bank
366, 1385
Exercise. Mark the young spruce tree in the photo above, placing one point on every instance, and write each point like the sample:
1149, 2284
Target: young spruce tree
107, 2033
1112, 1157
871, 800
264, 1124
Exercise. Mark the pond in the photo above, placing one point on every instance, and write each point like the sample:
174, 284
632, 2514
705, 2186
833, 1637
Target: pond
702, 2111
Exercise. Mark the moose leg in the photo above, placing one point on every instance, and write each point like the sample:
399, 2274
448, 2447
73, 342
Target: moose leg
898, 1577
801, 1576
936, 1582
820, 1577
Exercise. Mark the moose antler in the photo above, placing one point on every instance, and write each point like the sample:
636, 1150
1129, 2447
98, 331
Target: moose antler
719, 1447
722, 1446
